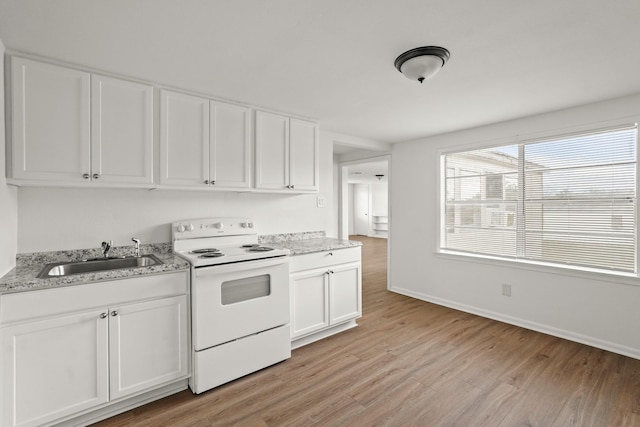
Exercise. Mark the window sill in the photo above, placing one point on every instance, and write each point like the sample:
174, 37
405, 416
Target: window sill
573, 271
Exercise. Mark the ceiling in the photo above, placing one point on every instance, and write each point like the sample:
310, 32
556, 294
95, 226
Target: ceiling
365, 173
332, 60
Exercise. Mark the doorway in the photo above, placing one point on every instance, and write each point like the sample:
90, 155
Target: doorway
364, 208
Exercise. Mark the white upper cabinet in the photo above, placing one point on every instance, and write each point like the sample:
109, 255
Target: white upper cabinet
286, 153
230, 148
184, 139
204, 143
122, 131
304, 152
75, 128
50, 122
272, 151
70, 127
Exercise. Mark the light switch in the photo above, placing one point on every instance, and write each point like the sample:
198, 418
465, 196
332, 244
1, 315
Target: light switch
321, 202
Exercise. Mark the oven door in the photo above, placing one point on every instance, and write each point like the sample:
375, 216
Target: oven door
231, 301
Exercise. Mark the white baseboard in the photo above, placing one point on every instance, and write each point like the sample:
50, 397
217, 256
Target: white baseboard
545, 329
299, 342
112, 409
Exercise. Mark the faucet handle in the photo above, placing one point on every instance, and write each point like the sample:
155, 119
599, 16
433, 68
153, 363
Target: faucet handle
106, 247
137, 242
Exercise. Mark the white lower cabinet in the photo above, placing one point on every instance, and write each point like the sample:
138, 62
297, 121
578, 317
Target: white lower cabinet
148, 345
310, 300
326, 294
62, 365
54, 367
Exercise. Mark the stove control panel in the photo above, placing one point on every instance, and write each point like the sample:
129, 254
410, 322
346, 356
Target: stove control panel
210, 227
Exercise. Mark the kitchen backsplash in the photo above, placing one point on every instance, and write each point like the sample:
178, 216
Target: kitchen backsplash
80, 254
278, 238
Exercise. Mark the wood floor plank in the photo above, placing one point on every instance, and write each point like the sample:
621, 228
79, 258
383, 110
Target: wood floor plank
413, 363
491, 407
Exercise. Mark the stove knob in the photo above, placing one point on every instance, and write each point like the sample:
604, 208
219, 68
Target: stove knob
181, 228
190, 227
250, 225
218, 225
244, 225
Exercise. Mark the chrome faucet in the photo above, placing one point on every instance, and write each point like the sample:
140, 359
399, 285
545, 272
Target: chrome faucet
106, 247
137, 242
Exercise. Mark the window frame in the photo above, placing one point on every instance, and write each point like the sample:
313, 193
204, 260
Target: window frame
618, 276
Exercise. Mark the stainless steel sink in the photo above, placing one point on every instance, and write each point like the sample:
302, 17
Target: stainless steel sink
59, 269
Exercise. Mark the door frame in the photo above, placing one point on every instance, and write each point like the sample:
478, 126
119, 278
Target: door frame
343, 202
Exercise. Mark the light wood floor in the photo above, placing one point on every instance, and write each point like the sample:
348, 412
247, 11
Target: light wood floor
412, 363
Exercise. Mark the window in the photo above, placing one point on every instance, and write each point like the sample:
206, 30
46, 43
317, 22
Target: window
567, 200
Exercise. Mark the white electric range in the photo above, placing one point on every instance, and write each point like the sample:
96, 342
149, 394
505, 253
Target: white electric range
239, 299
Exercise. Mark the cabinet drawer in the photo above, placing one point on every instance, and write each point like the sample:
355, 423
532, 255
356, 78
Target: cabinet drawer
50, 302
324, 259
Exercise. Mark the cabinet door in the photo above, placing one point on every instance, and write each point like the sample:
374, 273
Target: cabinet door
272, 151
149, 345
50, 122
121, 131
184, 139
304, 154
346, 292
54, 367
230, 155
310, 302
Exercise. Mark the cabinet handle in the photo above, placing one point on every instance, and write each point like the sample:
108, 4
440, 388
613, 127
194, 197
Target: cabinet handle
213, 182
206, 181
292, 187
114, 313
330, 271
103, 315
96, 176
330, 254
86, 176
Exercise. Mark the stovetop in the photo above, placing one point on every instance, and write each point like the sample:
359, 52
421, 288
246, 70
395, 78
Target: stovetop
214, 241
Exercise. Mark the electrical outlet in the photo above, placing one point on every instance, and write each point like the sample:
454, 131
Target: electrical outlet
321, 202
506, 290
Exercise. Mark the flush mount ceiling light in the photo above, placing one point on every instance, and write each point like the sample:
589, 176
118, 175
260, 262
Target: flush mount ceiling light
422, 63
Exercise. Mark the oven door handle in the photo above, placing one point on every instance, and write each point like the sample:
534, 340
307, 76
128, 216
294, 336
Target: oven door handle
240, 266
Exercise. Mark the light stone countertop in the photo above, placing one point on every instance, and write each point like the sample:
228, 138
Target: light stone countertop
23, 276
307, 243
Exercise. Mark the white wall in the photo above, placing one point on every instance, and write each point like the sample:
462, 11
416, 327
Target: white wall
594, 309
70, 218
8, 194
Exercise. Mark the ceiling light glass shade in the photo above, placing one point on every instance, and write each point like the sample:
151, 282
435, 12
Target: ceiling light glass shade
422, 63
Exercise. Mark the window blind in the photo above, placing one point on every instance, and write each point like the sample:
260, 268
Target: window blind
565, 200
